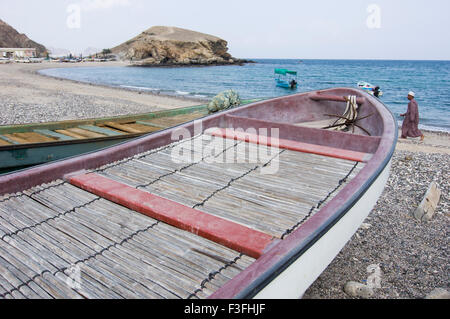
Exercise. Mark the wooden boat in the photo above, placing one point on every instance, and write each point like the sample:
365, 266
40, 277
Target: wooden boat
188, 213
32, 144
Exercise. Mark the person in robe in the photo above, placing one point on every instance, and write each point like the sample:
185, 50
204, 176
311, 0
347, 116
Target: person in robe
410, 126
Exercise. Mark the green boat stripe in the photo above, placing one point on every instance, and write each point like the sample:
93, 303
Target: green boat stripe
101, 130
151, 124
8, 140
61, 137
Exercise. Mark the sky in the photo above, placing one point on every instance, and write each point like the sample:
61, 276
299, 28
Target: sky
297, 29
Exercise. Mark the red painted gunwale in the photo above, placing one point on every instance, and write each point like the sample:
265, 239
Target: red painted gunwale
289, 144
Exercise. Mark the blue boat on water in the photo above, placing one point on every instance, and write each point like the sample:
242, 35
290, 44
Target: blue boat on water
286, 78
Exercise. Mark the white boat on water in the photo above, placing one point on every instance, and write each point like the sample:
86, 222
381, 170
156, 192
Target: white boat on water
369, 88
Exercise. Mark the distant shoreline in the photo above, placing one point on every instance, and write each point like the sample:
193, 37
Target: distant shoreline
106, 64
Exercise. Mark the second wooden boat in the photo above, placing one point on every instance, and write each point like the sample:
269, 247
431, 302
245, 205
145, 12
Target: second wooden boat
32, 144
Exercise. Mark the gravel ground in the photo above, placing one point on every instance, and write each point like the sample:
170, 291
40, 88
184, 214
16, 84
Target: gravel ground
28, 97
413, 256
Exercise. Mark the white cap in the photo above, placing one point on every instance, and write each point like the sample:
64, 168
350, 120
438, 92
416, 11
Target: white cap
412, 93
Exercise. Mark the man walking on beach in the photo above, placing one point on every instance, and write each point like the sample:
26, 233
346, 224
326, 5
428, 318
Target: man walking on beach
410, 125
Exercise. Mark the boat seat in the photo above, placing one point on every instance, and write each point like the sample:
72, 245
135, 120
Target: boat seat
225, 232
290, 144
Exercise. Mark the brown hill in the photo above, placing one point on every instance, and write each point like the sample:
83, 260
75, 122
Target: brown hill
10, 38
167, 46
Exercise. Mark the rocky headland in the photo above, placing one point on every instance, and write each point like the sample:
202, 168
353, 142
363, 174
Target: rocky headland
171, 46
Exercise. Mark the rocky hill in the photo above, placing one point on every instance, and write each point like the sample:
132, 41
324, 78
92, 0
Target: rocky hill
10, 38
171, 46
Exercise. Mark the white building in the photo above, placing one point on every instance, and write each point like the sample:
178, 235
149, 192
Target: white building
18, 52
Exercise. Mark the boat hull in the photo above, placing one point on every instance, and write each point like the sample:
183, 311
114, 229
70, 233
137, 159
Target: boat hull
14, 158
284, 84
286, 266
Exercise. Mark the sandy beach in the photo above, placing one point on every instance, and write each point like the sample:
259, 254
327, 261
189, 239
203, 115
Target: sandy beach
411, 255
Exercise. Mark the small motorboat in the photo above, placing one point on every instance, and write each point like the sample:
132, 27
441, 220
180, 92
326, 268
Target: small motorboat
371, 89
252, 202
286, 78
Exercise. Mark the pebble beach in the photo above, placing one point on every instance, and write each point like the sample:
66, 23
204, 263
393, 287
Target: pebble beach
28, 97
412, 256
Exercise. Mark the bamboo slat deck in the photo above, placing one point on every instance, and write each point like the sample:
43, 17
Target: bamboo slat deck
58, 241
51, 232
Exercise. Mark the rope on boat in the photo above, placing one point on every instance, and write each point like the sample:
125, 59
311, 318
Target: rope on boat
235, 179
33, 193
349, 118
350, 114
21, 230
212, 275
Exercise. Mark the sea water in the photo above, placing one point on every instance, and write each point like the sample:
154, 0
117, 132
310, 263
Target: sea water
429, 79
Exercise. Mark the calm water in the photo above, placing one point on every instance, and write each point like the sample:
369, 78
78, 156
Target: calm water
429, 79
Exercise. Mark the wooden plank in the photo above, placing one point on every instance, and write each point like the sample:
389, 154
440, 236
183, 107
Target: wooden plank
85, 133
101, 130
170, 121
124, 128
147, 123
4, 142
33, 137
68, 133
227, 233
428, 205
143, 128
59, 136
290, 145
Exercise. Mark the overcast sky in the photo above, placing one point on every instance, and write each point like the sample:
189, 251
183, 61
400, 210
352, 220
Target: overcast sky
314, 29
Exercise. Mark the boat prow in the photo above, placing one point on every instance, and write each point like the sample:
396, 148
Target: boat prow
253, 202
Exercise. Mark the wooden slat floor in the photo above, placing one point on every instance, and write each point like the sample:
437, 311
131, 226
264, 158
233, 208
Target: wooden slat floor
274, 203
61, 242
58, 241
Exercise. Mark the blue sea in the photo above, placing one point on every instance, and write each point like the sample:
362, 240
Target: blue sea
429, 79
